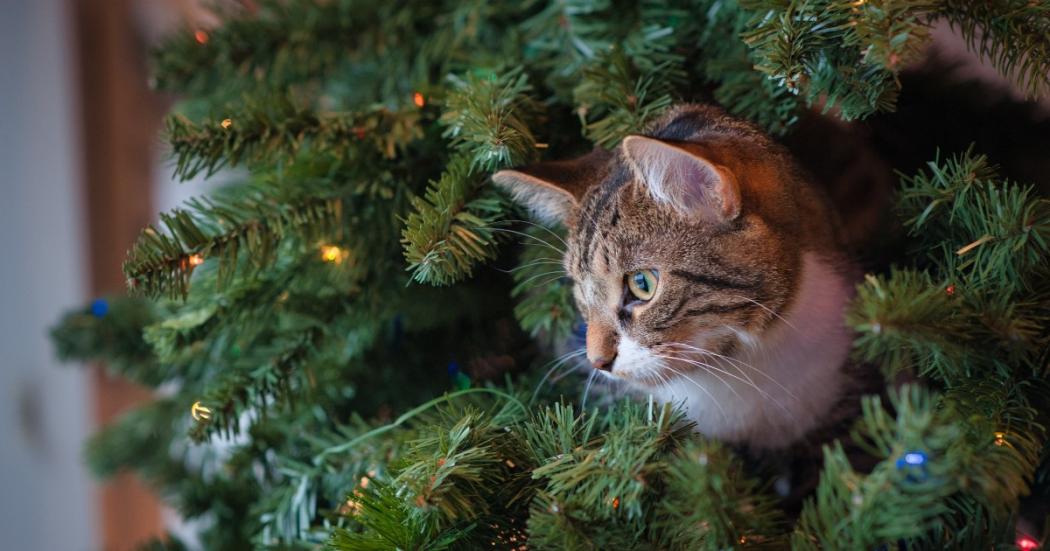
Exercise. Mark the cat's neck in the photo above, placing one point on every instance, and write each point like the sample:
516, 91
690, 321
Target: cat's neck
786, 382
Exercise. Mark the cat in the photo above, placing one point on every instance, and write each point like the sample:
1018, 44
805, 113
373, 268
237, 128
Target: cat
710, 271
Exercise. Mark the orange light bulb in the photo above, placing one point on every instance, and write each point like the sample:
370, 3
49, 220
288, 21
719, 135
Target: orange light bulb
331, 253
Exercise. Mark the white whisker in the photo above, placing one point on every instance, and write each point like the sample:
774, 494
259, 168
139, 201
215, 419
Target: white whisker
576, 366
523, 234
710, 369
738, 363
558, 362
767, 309
702, 389
542, 227
539, 262
587, 390
561, 274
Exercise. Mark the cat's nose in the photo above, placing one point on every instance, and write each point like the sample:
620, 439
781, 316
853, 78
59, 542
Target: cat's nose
603, 363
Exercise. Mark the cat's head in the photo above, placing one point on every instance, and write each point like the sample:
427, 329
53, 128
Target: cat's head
688, 239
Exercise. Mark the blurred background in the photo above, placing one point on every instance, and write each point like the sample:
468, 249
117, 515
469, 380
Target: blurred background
83, 171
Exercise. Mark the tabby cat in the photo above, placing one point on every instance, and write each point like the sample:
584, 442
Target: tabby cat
710, 271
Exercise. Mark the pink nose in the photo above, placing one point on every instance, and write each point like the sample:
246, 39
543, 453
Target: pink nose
603, 363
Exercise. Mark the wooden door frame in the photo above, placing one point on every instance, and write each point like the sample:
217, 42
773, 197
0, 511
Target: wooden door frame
119, 119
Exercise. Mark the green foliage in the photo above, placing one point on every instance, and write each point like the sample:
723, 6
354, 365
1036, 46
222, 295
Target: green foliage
238, 228
451, 228
999, 231
903, 324
845, 52
1014, 35
487, 119
985, 314
712, 503
388, 523
846, 55
729, 66
275, 129
115, 336
923, 483
616, 100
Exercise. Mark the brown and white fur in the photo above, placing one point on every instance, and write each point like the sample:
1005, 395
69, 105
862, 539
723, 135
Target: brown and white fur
746, 325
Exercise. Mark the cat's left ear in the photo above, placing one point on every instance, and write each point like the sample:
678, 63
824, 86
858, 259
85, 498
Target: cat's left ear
552, 190
683, 179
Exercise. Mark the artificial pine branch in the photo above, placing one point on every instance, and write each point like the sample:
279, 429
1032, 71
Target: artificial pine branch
847, 54
898, 499
450, 230
907, 322
280, 43
487, 118
110, 330
567, 34
615, 99
729, 65
712, 504
1014, 35
238, 228
276, 128
999, 231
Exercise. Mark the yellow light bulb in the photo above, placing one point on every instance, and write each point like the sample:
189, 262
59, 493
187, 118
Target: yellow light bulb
199, 412
419, 100
331, 253
196, 260
226, 123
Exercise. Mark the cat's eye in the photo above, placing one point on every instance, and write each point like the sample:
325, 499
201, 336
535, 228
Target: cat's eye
642, 284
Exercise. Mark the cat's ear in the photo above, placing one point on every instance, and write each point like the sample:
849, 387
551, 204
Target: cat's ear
553, 189
683, 179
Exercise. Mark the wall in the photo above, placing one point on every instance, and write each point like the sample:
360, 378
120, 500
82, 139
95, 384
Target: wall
46, 498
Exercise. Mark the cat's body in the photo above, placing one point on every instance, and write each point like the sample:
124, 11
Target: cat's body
710, 272
798, 376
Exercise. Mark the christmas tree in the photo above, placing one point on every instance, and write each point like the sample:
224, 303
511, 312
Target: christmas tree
357, 346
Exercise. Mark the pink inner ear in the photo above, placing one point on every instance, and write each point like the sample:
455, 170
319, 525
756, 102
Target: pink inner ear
697, 182
682, 179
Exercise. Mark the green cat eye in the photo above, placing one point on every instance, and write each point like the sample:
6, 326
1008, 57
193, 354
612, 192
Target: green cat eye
642, 284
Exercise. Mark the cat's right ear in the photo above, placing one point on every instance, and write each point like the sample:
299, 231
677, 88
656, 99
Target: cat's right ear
552, 190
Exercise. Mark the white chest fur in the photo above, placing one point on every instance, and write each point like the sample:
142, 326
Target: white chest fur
777, 387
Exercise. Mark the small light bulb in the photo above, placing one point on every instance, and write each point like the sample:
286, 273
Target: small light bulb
201, 37
226, 123
196, 260
419, 100
199, 412
1000, 438
331, 253
915, 458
